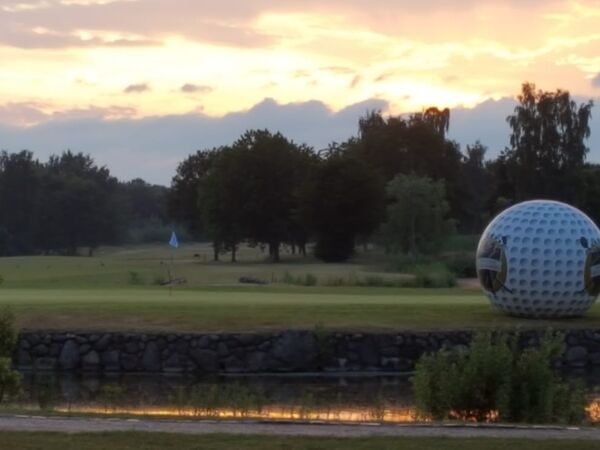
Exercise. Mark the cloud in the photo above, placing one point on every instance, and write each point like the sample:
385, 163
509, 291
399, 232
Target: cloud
151, 148
355, 81
22, 114
137, 88
151, 20
36, 37
27, 114
487, 123
190, 88
596, 81
231, 22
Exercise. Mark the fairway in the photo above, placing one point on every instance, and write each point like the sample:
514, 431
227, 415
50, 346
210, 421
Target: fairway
252, 309
99, 293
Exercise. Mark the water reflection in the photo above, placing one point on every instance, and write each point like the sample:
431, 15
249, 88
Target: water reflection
314, 398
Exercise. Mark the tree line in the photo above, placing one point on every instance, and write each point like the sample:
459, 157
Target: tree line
399, 182
69, 203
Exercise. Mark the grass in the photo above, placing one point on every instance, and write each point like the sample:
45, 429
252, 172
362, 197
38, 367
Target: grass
144, 265
117, 290
150, 441
262, 308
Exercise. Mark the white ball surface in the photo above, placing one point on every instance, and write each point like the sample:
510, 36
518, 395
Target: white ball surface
540, 259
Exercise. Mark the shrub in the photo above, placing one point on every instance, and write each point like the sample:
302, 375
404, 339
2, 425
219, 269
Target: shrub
496, 381
302, 280
461, 264
135, 278
10, 381
461, 243
435, 275
405, 262
8, 333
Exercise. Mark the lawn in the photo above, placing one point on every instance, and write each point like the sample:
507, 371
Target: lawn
150, 441
267, 308
78, 293
146, 265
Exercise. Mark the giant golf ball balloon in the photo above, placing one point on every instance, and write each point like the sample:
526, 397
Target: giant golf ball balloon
540, 258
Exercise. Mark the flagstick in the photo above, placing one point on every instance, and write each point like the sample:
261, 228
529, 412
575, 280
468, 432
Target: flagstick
170, 278
173, 244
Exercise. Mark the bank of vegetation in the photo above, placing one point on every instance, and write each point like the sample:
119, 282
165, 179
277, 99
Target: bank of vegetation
400, 183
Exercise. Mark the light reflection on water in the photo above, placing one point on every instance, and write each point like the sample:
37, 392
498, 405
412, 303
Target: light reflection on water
338, 414
306, 398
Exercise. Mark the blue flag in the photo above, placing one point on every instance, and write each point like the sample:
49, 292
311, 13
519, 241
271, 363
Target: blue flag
173, 241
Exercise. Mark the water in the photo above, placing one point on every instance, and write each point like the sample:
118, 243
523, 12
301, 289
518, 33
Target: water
372, 398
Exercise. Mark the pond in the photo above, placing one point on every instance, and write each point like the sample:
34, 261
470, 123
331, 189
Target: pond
305, 397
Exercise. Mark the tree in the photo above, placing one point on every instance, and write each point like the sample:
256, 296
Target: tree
416, 215
77, 205
477, 181
344, 200
274, 168
141, 211
20, 178
547, 144
186, 190
589, 193
416, 144
221, 202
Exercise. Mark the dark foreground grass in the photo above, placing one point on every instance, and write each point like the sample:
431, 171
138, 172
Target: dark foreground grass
254, 309
152, 441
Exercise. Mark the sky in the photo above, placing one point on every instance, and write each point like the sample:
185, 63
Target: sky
140, 84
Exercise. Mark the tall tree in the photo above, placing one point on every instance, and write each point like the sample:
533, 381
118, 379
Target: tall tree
273, 168
416, 215
20, 178
221, 202
78, 204
477, 181
416, 144
186, 190
547, 144
344, 200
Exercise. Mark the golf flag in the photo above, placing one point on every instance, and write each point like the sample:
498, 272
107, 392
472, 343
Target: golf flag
173, 241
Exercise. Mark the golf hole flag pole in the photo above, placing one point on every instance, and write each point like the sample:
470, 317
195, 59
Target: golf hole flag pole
173, 241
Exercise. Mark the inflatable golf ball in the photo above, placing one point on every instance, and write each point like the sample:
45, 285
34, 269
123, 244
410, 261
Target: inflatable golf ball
540, 259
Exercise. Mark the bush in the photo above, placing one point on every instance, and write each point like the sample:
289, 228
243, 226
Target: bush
405, 262
8, 333
303, 280
10, 381
435, 275
135, 278
461, 243
494, 381
461, 264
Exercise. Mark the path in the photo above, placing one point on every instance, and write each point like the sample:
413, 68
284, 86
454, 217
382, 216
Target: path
77, 425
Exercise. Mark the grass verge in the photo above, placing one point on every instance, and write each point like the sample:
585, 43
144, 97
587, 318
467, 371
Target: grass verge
151, 441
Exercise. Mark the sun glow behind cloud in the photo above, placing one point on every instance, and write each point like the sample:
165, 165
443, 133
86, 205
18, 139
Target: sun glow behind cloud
132, 57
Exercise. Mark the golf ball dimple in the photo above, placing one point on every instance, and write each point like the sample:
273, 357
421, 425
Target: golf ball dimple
540, 258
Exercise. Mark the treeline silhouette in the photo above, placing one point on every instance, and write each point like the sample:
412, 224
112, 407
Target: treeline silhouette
68, 203
400, 182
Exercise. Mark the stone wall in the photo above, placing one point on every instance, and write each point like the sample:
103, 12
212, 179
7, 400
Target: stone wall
286, 351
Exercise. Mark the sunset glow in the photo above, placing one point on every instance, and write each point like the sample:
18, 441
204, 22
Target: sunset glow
138, 58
